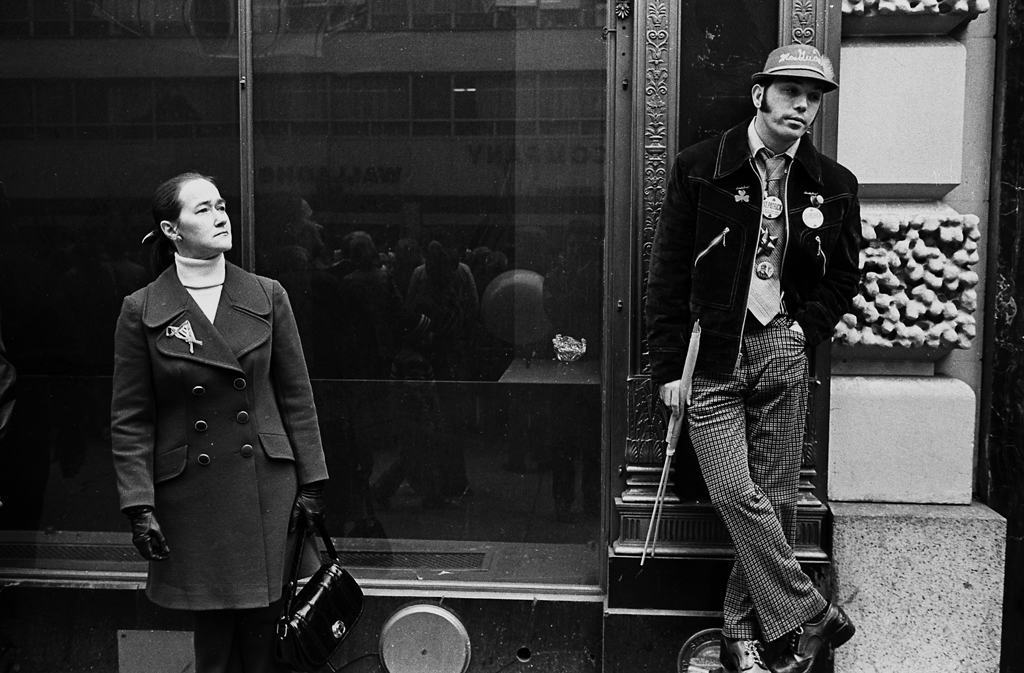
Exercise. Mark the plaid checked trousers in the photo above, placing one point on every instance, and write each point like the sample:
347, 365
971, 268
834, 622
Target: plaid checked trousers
747, 430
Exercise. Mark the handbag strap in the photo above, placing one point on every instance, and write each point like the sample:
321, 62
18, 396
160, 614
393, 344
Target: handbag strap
321, 529
300, 543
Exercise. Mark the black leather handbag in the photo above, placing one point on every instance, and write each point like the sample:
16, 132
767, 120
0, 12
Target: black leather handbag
317, 618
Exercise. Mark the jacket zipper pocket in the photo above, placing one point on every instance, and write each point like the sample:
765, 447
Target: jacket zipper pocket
821, 253
715, 241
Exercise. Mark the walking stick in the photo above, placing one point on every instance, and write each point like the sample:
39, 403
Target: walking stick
675, 427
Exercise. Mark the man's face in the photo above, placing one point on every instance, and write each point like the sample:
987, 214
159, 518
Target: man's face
786, 108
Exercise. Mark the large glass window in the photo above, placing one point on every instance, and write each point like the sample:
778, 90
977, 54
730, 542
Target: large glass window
430, 191
722, 43
102, 101
429, 188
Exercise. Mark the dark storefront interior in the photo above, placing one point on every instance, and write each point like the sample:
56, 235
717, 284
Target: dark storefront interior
479, 188
458, 145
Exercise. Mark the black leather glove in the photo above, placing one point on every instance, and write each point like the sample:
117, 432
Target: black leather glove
146, 534
309, 504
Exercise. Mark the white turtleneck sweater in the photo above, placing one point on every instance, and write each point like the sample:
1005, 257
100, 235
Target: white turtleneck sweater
204, 279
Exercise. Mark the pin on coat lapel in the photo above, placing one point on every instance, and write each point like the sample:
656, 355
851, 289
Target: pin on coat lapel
185, 333
242, 322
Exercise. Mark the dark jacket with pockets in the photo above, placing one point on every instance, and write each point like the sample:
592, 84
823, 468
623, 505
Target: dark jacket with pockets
705, 243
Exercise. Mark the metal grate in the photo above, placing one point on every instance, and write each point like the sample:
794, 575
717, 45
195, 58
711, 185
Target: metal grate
414, 560
17, 553
21, 551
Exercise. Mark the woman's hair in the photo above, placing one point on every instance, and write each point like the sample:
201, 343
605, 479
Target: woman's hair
167, 206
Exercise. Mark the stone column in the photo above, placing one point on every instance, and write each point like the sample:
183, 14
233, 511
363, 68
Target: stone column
918, 565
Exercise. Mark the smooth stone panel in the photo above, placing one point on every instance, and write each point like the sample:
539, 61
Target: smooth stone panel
906, 439
922, 583
901, 99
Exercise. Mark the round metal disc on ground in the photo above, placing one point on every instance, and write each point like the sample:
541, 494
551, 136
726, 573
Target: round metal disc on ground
699, 654
424, 637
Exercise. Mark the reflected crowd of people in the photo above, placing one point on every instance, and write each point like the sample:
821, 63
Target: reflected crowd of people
396, 314
353, 298
407, 313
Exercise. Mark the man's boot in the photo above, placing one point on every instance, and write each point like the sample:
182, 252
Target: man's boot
810, 639
741, 656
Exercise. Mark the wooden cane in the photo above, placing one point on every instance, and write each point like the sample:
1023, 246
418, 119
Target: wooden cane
675, 427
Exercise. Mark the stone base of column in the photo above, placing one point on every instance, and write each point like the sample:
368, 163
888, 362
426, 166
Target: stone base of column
922, 583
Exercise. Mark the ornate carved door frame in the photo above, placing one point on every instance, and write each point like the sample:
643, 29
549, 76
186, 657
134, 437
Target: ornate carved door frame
691, 527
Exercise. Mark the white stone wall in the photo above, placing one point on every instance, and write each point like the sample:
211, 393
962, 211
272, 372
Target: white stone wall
918, 566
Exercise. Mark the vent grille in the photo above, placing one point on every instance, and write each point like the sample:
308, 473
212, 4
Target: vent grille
414, 560
102, 553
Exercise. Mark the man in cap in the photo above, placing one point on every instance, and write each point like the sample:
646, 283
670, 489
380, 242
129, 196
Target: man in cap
758, 240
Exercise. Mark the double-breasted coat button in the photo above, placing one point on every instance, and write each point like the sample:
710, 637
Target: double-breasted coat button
242, 417
203, 459
239, 383
246, 450
201, 426
198, 391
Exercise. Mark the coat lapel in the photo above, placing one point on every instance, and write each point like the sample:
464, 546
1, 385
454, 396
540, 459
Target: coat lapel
182, 330
734, 153
243, 317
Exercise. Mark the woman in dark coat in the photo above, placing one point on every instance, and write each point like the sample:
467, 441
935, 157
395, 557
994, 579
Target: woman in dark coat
214, 432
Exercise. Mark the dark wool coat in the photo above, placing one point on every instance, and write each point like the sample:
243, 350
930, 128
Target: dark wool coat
216, 436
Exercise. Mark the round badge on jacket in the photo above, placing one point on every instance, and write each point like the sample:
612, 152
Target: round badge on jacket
812, 217
771, 207
764, 270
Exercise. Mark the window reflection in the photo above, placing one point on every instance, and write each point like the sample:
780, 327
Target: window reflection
448, 104
215, 18
88, 128
721, 44
429, 189
436, 214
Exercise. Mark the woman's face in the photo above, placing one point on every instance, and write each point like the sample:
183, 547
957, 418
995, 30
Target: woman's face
202, 229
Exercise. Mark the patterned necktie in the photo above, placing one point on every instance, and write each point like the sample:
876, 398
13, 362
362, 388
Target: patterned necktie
765, 297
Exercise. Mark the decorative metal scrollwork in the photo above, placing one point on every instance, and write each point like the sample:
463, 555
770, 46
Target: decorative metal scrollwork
655, 168
804, 20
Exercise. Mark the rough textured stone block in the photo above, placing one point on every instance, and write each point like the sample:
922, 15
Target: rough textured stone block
922, 583
903, 439
903, 98
919, 287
